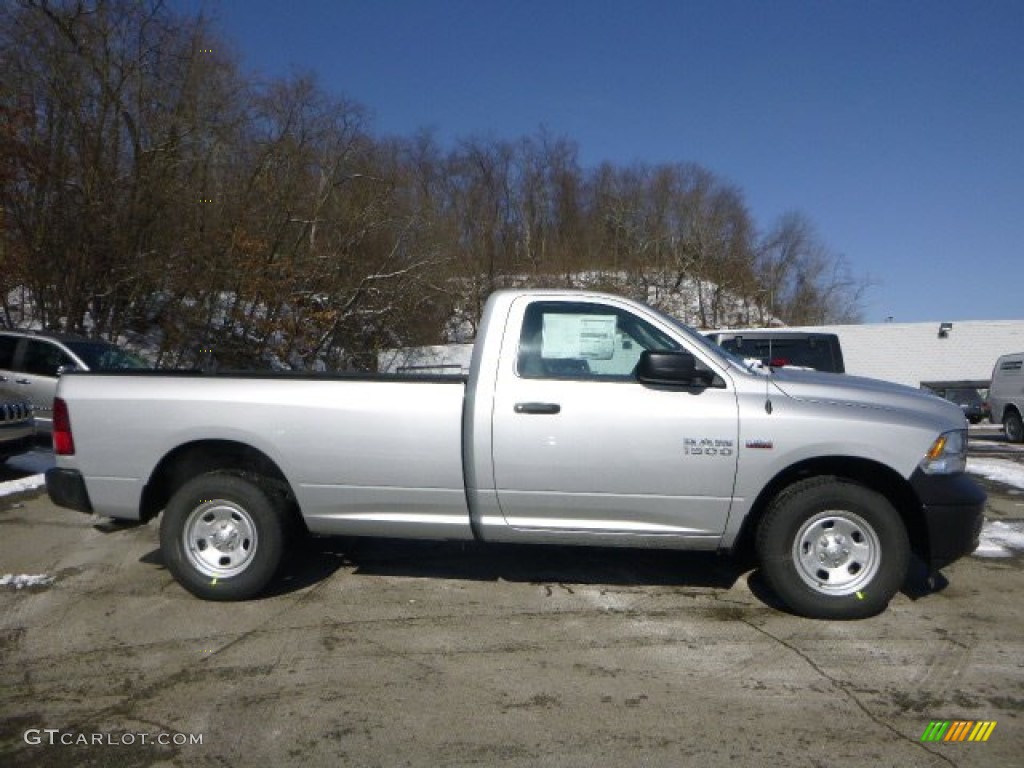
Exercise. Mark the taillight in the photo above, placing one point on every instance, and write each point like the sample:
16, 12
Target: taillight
63, 442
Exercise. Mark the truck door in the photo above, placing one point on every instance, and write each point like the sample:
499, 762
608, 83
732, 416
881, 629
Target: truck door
581, 447
36, 376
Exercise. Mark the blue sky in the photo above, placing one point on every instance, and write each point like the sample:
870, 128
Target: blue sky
896, 126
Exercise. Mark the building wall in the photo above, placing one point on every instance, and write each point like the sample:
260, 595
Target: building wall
912, 353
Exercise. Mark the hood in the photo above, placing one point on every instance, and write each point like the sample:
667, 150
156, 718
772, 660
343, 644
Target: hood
843, 389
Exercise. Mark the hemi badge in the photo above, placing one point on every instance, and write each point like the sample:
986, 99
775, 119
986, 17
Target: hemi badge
766, 444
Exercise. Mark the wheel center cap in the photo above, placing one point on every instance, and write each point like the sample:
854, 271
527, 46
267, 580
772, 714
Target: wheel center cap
833, 549
225, 538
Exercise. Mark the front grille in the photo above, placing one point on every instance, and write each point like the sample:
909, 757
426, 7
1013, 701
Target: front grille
15, 411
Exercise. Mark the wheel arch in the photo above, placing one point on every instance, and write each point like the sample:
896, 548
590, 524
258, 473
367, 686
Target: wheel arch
870, 474
200, 457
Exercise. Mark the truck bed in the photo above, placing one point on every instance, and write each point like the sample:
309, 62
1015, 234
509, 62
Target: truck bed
353, 447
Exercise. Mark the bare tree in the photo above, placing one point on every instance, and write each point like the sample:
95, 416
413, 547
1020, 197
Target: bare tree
96, 178
144, 182
804, 283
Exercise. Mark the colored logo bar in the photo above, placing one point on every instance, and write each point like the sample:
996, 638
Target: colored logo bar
958, 730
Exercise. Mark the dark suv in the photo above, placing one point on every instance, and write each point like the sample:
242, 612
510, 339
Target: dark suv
967, 398
30, 363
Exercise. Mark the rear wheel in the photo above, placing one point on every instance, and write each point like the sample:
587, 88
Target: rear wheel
1014, 427
223, 536
833, 549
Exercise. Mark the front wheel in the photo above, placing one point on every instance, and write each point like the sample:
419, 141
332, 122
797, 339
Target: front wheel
833, 549
1014, 427
222, 536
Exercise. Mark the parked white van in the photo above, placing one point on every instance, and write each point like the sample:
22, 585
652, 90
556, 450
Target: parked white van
1006, 395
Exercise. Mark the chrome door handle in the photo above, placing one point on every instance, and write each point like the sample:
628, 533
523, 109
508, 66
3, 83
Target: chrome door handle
538, 408
22, 381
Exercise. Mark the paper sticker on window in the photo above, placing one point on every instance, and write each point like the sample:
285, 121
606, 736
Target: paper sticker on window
586, 337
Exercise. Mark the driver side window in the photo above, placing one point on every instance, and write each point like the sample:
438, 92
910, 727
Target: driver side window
563, 340
43, 359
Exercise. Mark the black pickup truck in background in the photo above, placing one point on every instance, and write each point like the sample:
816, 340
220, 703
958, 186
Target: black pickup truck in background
780, 349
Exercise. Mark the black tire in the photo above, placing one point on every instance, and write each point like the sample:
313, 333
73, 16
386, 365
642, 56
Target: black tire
1013, 427
223, 536
833, 549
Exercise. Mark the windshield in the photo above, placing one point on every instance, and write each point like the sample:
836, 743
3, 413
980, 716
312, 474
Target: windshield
703, 341
101, 356
961, 395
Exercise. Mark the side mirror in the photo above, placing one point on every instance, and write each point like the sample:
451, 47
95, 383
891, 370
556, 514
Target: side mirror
68, 368
672, 369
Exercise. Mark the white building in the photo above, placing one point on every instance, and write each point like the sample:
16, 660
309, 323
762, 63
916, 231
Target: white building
949, 353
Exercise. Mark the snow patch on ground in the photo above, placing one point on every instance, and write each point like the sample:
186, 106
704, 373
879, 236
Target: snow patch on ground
22, 580
1000, 470
1001, 539
35, 462
21, 485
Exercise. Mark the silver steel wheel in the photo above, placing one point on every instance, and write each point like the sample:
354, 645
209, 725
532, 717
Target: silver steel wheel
219, 538
836, 552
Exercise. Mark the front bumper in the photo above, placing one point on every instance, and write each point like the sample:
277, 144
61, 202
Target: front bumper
17, 445
66, 488
953, 511
17, 434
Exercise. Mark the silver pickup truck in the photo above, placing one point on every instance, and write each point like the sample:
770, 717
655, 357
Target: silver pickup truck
586, 419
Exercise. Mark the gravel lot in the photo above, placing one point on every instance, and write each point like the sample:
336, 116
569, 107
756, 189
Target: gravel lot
378, 653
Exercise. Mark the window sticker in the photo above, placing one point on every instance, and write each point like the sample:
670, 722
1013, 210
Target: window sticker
586, 337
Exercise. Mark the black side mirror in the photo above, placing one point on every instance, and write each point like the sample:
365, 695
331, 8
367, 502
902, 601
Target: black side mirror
672, 369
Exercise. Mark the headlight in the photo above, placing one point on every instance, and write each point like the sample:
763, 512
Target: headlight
948, 454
